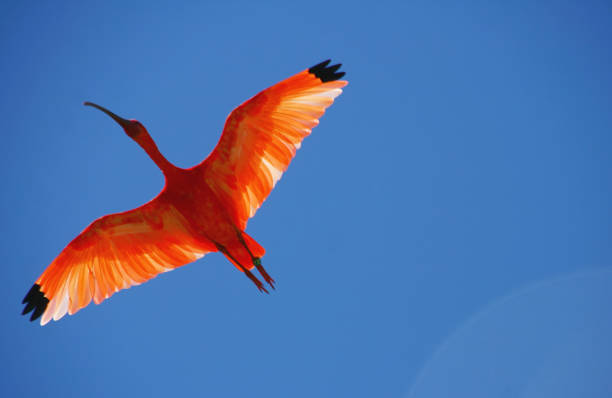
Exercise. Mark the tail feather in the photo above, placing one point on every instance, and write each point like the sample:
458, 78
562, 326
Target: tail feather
240, 253
254, 247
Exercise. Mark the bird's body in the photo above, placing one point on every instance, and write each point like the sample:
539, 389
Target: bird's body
200, 210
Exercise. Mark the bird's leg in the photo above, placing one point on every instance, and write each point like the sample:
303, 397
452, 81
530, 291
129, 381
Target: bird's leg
256, 281
257, 262
262, 271
248, 273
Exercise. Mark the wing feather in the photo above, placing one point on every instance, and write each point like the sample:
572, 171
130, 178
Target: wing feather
261, 137
113, 253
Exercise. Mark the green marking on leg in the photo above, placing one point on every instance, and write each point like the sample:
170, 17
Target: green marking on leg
257, 261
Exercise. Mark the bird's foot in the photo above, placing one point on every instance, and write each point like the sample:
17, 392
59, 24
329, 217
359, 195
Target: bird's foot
256, 281
262, 271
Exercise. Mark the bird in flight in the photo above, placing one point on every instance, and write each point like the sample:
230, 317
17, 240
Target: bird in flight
200, 210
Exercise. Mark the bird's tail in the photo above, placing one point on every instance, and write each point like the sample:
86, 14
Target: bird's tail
246, 255
242, 251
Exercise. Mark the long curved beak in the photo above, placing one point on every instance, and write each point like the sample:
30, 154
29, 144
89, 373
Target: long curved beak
122, 122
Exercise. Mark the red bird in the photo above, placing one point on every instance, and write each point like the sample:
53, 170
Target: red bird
201, 210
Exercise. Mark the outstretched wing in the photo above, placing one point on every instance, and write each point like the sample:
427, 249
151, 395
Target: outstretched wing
113, 253
261, 136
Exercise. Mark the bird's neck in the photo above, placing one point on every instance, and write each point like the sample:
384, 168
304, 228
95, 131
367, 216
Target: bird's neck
147, 143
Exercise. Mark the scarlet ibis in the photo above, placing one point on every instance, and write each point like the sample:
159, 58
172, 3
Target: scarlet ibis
200, 210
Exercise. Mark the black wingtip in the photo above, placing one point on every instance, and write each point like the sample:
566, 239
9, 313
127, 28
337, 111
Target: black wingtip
326, 73
35, 300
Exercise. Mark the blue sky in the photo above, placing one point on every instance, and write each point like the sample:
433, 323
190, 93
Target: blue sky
447, 223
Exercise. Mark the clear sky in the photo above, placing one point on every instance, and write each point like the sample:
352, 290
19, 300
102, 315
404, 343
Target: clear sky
445, 231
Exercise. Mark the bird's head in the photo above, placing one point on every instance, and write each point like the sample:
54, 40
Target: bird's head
132, 128
136, 131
